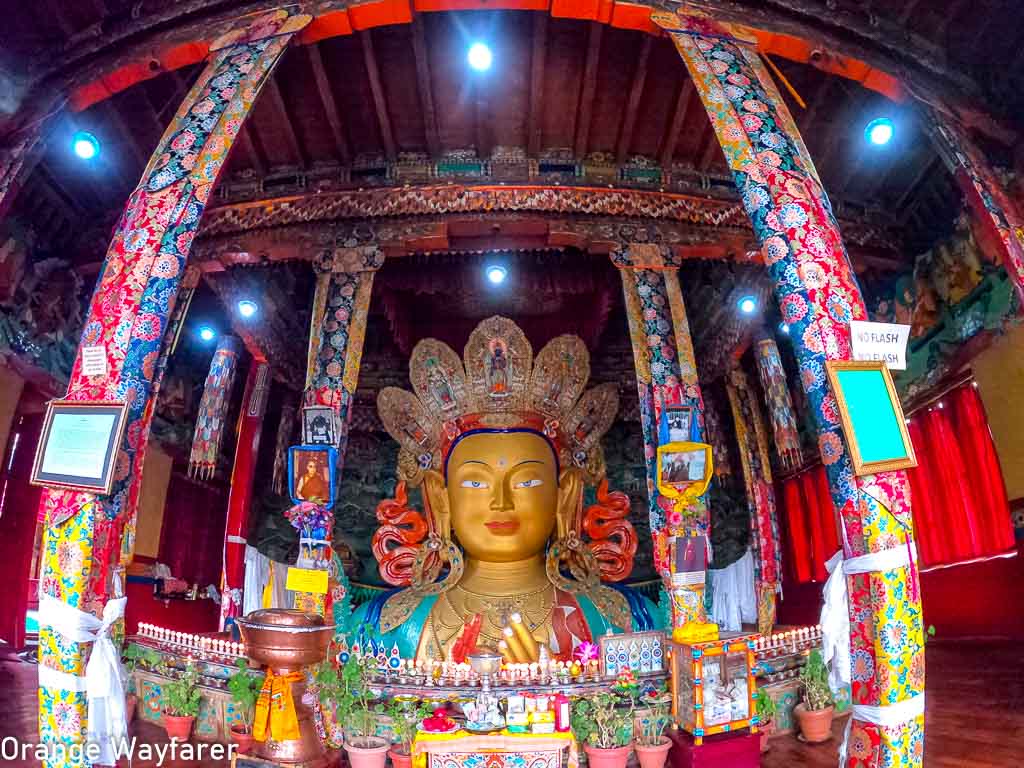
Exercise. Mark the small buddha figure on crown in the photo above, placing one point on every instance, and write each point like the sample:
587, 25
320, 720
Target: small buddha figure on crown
502, 472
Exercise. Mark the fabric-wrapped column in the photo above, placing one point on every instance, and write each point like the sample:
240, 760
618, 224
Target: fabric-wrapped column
752, 439
250, 427
213, 408
818, 296
128, 318
780, 405
666, 376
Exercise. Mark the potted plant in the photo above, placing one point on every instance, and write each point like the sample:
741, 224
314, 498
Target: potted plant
133, 656
244, 687
605, 729
814, 713
649, 739
765, 717
348, 693
180, 699
406, 716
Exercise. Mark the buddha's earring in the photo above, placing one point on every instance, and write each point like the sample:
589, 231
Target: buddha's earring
430, 559
586, 573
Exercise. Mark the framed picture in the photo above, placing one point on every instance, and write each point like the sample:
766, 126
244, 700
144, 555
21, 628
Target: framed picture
679, 420
871, 416
311, 473
684, 467
78, 445
319, 425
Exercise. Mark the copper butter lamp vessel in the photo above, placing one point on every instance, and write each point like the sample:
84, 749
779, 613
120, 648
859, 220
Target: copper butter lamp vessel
287, 641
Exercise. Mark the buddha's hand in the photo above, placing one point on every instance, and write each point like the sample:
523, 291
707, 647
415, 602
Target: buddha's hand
518, 646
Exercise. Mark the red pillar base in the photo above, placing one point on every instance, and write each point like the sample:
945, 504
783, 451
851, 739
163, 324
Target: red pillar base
735, 750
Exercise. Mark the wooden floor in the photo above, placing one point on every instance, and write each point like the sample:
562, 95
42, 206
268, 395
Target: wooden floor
975, 713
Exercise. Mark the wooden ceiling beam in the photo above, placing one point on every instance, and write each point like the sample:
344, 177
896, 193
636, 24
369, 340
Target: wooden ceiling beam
668, 144
419, 47
588, 89
537, 56
636, 90
923, 172
273, 93
248, 144
815, 104
128, 137
480, 119
377, 89
710, 147
323, 86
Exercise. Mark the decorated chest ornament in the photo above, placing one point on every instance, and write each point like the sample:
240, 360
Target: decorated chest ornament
499, 384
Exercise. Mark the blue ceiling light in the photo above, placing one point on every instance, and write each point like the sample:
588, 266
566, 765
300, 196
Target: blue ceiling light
85, 145
247, 308
496, 274
206, 333
784, 327
480, 57
880, 131
747, 305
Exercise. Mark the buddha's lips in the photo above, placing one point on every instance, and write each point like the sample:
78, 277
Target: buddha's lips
503, 526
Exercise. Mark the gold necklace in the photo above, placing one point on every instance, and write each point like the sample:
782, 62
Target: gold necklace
495, 612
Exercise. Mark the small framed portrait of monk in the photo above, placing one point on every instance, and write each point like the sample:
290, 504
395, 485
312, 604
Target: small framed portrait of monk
684, 468
311, 473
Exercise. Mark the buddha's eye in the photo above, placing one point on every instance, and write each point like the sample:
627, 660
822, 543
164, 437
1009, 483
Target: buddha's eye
529, 483
474, 484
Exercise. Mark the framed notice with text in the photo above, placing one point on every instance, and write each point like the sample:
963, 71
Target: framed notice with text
871, 416
78, 445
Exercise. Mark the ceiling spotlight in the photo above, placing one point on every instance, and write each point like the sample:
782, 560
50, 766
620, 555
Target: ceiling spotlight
880, 132
480, 57
247, 308
496, 274
747, 305
85, 145
784, 327
206, 333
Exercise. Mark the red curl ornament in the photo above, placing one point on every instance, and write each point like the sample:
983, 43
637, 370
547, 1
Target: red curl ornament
402, 529
612, 537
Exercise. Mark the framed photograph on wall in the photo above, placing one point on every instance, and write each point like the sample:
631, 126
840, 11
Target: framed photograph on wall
680, 422
311, 473
319, 425
871, 416
684, 467
78, 445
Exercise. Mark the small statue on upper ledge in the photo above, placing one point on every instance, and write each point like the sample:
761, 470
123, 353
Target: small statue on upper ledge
502, 467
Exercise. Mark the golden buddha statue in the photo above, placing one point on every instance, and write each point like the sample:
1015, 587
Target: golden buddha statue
502, 447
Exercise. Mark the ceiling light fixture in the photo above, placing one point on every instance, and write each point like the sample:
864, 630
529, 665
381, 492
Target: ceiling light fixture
496, 274
880, 131
784, 327
247, 308
206, 333
747, 305
85, 145
480, 57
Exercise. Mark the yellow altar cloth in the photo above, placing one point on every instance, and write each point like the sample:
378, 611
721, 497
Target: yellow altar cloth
463, 742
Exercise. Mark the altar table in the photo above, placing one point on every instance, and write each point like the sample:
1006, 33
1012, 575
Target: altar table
462, 749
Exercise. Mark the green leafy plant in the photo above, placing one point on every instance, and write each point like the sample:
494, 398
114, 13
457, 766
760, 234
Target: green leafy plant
245, 689
817, 694
652, 725
601, 721
766, 709
405, 719
136, 655
181, 697
347, 691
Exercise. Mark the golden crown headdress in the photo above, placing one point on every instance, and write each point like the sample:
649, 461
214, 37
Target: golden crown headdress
498, 385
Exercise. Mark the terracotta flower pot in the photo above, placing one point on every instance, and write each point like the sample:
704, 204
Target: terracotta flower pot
815, 725
400, 759
653, 757
616, 757
243, 739
131, 703
765, 730
372, 753
178, 727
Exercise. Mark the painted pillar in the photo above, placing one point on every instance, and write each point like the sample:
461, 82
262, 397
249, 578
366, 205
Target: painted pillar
213, 408
779, 403
250, 427
666, 376
818, 295
752, 438
128, 316
1001, 223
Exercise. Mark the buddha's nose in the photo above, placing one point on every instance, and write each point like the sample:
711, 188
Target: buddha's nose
502, 496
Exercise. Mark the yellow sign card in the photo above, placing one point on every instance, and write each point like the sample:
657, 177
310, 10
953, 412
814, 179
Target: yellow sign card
307, 580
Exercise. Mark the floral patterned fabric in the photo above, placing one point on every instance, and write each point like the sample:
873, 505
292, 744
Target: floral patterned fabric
129, 316
213, 408
818, 296
780, 405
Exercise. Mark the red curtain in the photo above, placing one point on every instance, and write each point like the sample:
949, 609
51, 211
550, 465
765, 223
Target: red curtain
192, 539
958, 495
810, 524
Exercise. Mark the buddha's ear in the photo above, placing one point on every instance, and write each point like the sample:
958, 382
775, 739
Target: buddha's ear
570, 498
435, 493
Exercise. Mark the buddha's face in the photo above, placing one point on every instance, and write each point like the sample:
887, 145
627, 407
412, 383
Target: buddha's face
503, 495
